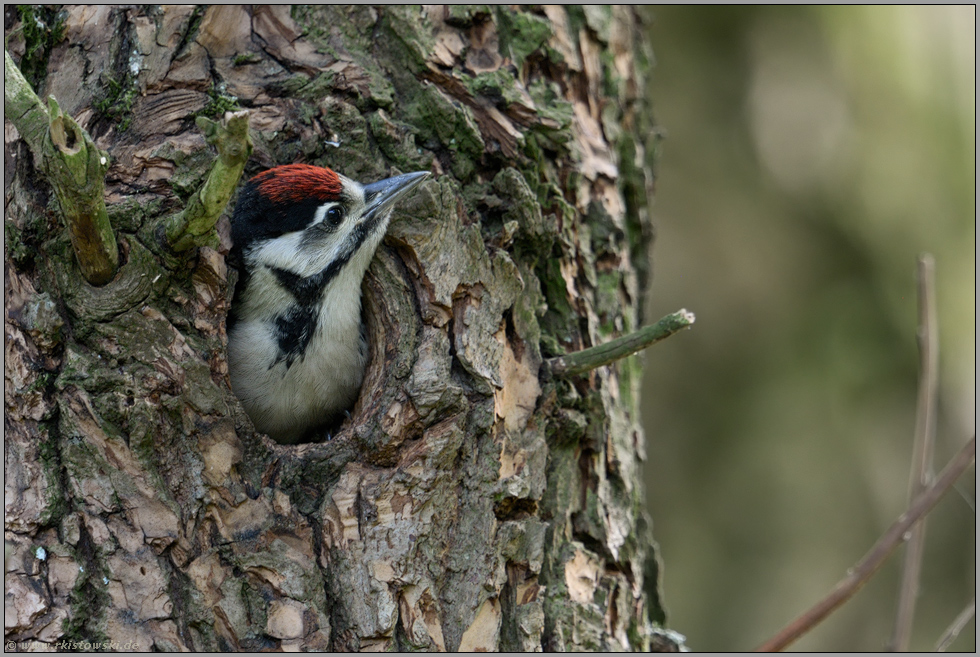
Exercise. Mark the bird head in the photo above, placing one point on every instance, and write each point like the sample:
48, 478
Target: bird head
305, 219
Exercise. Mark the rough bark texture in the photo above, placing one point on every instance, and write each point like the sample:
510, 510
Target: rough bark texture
466, 504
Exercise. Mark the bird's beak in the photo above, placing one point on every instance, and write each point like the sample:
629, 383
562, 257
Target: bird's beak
379, 197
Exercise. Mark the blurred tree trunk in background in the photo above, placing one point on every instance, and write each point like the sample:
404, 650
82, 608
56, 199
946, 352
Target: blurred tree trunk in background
466, 504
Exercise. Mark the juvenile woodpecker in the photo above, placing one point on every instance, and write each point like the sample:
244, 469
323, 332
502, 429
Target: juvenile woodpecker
304, 236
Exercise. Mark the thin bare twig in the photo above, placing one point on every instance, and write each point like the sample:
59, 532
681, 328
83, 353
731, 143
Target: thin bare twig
859, 575
922, 450
580, 362
956, 626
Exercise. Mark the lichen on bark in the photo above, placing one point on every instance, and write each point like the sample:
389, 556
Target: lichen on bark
468, 503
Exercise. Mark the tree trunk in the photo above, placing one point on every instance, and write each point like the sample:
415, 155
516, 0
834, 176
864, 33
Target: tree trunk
467, 503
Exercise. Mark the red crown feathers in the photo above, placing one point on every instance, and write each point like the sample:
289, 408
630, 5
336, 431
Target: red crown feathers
293, 183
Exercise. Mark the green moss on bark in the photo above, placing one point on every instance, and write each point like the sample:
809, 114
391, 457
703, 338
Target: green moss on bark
521, 33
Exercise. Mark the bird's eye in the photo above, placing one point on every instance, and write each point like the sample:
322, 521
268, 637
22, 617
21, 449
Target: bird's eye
335, 215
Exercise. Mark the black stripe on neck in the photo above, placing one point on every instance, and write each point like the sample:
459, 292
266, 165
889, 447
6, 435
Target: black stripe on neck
309, 289
295, 327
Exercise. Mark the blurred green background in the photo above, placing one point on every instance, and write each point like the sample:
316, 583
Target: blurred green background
809, 155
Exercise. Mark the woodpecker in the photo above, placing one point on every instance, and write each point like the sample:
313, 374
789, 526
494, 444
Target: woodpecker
304, 236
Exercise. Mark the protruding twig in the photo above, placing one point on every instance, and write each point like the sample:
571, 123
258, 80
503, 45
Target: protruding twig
922, 450
192, 227
582, 361
956, 626
884, 546
74, 166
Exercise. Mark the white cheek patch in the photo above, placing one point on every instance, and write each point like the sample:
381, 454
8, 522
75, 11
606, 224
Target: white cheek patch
280, 252
295, 252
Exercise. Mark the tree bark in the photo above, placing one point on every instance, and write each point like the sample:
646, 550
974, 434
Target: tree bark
467, 504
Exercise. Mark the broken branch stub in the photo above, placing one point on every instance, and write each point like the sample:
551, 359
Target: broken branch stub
193, 226
22, 106
76, 169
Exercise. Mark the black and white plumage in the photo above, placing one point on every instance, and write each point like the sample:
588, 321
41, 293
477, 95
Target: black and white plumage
304, 236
